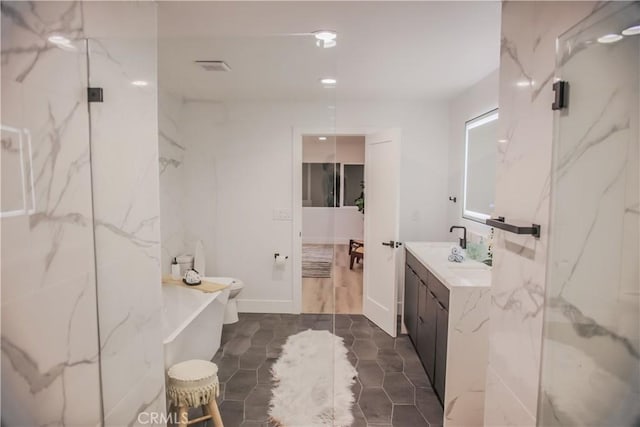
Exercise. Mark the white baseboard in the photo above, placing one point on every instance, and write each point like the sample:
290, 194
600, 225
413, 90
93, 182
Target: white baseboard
265, 306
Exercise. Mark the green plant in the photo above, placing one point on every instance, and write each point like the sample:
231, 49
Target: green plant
360, 200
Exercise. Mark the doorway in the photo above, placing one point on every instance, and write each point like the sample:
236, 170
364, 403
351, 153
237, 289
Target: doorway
332, 202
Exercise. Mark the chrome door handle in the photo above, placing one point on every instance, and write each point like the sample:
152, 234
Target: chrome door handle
392, 244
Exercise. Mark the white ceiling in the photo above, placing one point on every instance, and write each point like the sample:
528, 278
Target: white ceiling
386, 50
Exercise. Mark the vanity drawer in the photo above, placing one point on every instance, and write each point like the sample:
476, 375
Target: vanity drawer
439, 290
417, 267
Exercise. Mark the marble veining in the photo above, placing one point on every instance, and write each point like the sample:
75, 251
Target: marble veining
50, 320
527, 68
592, 326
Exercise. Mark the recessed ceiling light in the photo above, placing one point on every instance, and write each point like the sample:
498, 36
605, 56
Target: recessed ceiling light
328, 81
609, 38
524, 83
325, 34
631, 31
140, 83
322, 138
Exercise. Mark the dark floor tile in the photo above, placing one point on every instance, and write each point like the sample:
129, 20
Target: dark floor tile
399, 389
256, 406
369, 373
240, 384
389, 360
237, 346
262, 337
274, 348
356, 388
361, 330
382, 339
407, 416
227, 366
428, 404
253, 358
358, 417
346, 336
418, 379
375, 406
342, 321
232, 412
404, 347
249, 328
284, 330
264, 372
247, 392
352, 358
365, 349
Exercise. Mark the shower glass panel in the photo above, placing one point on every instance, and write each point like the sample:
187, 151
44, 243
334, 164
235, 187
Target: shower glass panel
50, 348
591, 339
231, 163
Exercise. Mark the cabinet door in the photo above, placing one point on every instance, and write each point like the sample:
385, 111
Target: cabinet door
411, 303
441, 350
427, 315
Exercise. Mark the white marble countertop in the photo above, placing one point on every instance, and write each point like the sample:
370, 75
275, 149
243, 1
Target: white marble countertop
434, 256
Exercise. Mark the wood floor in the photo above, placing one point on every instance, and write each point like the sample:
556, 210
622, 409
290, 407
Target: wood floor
341, 293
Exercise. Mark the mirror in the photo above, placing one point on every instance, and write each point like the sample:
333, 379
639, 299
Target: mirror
481, 135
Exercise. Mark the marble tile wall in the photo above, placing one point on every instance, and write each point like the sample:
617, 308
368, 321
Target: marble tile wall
527, 63
591, 345
124, 147
50, 296
172, 151
50, 362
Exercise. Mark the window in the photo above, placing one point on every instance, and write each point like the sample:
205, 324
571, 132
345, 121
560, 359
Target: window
321, 184
352, 181
331, 185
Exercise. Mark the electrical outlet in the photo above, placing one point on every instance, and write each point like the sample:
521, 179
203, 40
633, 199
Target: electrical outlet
282, 214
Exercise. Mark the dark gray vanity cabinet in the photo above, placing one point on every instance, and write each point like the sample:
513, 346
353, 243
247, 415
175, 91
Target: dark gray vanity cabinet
411, 302
427, 316
427, 321
441, 350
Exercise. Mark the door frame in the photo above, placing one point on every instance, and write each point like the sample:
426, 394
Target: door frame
296, 207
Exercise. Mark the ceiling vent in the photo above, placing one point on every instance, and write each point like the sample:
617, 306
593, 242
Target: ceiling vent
214, 65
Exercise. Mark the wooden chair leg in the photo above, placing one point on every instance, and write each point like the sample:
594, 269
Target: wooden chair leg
351, 262
215, 413
183, 416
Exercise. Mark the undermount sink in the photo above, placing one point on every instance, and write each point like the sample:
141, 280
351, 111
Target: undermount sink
468, 265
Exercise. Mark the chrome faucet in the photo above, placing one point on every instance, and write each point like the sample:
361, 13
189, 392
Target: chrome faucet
463, 239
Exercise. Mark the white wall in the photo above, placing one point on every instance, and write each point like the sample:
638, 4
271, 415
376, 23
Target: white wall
332, 225
247, 151
477, 100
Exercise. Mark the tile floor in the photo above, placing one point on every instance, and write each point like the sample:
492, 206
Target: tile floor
392, 388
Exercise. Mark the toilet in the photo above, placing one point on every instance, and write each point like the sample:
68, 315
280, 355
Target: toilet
236, 285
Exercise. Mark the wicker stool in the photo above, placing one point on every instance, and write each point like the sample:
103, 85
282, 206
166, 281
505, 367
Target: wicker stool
193, 384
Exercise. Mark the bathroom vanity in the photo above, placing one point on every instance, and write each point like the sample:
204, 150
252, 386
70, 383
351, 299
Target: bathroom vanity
446, 314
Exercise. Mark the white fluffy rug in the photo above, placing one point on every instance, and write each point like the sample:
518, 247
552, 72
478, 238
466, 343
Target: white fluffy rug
313, 382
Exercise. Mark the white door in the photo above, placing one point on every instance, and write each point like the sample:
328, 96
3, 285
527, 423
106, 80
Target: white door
381, 228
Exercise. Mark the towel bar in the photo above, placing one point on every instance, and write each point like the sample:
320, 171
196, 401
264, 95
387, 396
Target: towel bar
534, 230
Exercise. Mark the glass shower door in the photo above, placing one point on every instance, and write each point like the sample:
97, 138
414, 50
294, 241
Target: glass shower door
50, 350
591, 343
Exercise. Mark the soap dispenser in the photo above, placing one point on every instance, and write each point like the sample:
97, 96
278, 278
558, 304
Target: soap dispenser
175, 269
